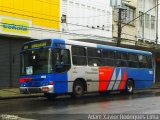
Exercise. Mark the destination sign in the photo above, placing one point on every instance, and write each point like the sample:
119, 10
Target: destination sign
37, 44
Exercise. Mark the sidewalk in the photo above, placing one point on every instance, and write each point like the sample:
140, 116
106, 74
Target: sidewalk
13, 93
156, 86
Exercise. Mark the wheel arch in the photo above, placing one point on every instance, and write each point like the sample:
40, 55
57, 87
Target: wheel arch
132, 81
83, 81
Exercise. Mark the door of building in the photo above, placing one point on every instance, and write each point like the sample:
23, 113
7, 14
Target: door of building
4, 63
10, 60
157, 71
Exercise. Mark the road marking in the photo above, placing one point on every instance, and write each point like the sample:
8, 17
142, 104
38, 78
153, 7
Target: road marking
12, 117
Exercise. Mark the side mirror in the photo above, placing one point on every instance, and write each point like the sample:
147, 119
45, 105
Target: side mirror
61, 56
62, 52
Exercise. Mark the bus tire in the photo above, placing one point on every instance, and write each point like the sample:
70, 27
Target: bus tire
78, 89
50, 96
129, 87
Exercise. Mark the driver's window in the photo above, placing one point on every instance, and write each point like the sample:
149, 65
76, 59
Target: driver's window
61, 60
56, 56
66, 57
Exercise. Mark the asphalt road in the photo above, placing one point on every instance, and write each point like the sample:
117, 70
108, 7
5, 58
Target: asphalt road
67, 108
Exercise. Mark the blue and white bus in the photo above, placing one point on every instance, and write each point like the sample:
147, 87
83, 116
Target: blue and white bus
56, 66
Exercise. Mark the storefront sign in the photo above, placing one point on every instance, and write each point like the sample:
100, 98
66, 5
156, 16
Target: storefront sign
14, 26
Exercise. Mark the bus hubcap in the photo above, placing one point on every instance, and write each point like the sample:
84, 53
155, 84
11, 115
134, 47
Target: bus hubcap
129, 86
78, 90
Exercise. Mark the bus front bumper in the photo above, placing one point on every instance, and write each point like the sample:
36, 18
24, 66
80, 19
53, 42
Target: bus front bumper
43, 89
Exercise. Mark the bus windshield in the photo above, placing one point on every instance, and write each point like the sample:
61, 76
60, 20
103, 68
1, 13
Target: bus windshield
36, 62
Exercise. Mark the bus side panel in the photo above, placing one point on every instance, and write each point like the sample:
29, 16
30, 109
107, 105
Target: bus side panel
89, 74
70, 72
92, 78
121, 79
111, 78
143, 78
105, 75
61, 83
118, 79
74, 73
70, 80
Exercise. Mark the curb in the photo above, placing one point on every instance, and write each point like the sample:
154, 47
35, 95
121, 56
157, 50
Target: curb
19, 97
155, 88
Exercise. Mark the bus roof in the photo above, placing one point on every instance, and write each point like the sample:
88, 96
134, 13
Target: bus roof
73, 42
86, 44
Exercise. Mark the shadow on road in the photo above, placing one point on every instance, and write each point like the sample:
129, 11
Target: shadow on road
64, 101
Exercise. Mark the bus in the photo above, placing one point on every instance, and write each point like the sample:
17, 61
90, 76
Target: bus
57, 66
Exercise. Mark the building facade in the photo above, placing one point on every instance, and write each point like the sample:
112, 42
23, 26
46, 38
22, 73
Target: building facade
22, 21
146, 24
128, 33
87, 19
138, 22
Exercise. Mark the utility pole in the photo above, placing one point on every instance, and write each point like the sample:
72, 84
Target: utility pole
119, 26
156, 42
118, 5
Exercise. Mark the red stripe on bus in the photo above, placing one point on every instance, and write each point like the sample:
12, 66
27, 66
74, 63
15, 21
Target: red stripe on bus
105, 74
123, 81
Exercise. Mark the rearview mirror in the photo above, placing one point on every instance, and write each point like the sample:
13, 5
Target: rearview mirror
62, 52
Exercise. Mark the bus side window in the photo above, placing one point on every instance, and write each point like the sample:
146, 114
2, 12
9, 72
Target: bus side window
79, 55
108, 57
121, 59
149, 58
142, 61
133, 61
94, 57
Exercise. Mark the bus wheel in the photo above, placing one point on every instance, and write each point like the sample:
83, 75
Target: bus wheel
49, 96
129, 87
78, 89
